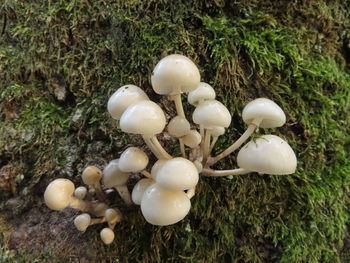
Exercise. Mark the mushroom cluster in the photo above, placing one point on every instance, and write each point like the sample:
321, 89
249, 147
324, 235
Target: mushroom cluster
166, 187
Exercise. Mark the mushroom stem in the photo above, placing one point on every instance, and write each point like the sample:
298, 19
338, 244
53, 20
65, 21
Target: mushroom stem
99, 192
182, 147
160, 148
206, 145
151, 146
178, 105
191, 192
251, 128
95, 221
145, 173
215, 139
86, 206
118, 218
124, 194
238, 171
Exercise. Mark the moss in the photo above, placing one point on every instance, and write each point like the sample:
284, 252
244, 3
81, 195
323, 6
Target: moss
292, 52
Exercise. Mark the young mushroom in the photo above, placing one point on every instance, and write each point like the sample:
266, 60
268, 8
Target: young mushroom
203, 92
148, 119
116, 178
92, 176
107, 235
140, 188
82, 222
133, 160
163, 207
80, 192
123, 98
113, 216
179, 127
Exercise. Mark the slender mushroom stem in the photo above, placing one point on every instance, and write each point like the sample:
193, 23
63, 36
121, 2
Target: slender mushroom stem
145, 173
151, 146
160, 148
178, 105
215, 139
191, 192
99, 192
251, 129
206, 145
86, 206
182, 147
238, 171
124, 194
95, 221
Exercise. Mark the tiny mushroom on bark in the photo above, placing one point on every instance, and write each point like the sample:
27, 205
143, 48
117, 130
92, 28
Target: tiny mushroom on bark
179, 126
268, 154
82, 221
107, 235
192, 139
140, 188
203, 92
80, 192
123, 98
133, 160
92, 176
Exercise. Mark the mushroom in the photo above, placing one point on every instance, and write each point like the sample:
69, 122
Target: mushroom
107, 235
192, 139
113, 216
148, 119
164, 207
140, 188
203, 92
268, 154
116, 178
133, 160
179, 127
80, 192
92, 176
82, 221
177, 174
123, 98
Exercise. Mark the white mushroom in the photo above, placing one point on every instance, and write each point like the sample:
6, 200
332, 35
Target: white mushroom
82, 221
140, 188
133, 160
265, 110
80, 192
92, 176
148, 119
268, 154
211, 113
179, 126
114, 177
192, 139
164, 207
123, 98
203, 92
107, 235
177, 174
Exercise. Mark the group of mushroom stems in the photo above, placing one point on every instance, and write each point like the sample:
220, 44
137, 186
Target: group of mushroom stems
165, 192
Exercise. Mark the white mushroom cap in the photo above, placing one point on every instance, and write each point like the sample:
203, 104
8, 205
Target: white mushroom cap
111, 214
91, 175
140, 188
59, 193
177, 174
144, 117
192, 139
133, 159
123, 98
271, 114
80, 192
113, 176
211, 113
217, 131
175, 74
268, 154
82, 221
164, 207
179, 127
107, 235
156, 166
203, 92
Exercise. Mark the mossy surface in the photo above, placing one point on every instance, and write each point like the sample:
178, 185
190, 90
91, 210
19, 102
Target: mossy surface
61, 60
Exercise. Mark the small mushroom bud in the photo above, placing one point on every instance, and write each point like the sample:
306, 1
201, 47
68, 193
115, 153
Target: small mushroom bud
133, 159
140, 188
92, 176
179, 127
203, 92
107, 235
211, 113
80, 192
82, 221
192, 139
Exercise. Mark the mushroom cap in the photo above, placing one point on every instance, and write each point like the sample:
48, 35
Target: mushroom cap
217, 131
113, 176
163, 207
123, 98
178, 126
175, 74
211, 113
107, 235
58, 194
203, 92
177, 174
144, 117
192, 139
133, 159
111, 214
268, 154
80, 192
156, 166
91, 175
271, 114
82, 221
140, 188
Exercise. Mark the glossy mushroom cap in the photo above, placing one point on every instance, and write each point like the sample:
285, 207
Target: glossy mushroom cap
82, 221
211, 113
58, 194
175, 74
112, 214
156, 166
133, 159
123, 98
217, 131
80, 192
113, 176
192, 139
107, 235
91, 175
268, 154
177, 174
203, 92
179, 127
163, 207
140, 188
144, 117
271, 114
